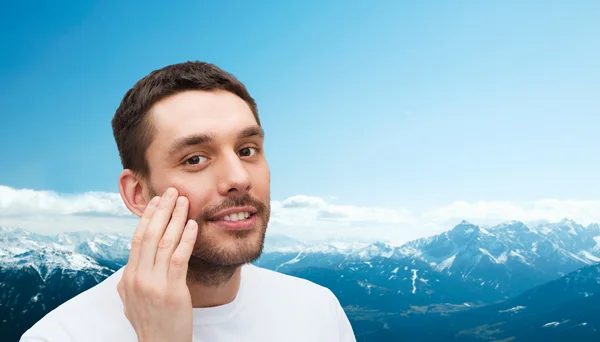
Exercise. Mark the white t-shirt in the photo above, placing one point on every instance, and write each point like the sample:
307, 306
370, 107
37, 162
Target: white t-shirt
269, 306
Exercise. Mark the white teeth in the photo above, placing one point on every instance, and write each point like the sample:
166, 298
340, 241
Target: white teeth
237, 216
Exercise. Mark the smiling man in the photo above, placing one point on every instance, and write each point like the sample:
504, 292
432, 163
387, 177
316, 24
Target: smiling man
195, 172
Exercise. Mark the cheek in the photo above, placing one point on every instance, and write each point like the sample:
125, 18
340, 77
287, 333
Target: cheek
262, 181
197, 195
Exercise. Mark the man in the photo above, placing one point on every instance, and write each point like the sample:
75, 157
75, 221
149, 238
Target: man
194, 171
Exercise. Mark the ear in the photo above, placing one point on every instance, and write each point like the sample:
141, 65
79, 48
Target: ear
133, 192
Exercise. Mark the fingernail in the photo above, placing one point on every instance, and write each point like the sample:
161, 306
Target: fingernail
153, 202
170, 193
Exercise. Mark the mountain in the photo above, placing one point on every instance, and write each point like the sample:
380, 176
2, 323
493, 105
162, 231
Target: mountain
35, 282
466, 282
511, 257
499, 262
109, 248
39, 272
565, 309
560, 310
427, 280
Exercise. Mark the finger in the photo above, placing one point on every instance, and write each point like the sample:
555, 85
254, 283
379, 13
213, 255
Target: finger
136, 241
121, 290
179, 261
171, 237
155, 230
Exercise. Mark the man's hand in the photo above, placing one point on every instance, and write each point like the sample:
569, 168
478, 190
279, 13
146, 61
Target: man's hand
153, 289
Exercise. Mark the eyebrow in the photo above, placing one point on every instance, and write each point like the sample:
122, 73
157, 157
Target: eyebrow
251, 132
200, 139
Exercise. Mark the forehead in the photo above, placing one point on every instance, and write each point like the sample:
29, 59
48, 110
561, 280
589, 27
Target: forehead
192, 112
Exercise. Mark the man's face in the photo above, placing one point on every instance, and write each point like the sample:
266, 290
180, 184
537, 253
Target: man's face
209, 146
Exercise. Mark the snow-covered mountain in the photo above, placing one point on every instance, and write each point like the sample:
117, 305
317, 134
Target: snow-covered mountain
510, 257
38, 273
112, 248
565, 309
507, 258
460, 269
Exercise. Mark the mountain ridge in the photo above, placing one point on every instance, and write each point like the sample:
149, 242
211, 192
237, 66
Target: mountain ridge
385, 288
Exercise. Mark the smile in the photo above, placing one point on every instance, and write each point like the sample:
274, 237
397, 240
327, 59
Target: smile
242, 220
238, 214
235, 216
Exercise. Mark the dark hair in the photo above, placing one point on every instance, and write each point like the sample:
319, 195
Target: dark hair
132, 129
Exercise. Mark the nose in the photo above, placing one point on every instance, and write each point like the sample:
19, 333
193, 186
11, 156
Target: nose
232, 175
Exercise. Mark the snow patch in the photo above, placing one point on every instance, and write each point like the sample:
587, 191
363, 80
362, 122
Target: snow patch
502, 258
365, 285
519, 257
446, 264
534, 247
93, 247
597, 240
296, 259
414, 281
80, 261
494, 260
485, 232
35, 298
574, 256
590, 256
515, 309
551, 324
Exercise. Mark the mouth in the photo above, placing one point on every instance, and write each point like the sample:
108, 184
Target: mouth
234, 214
239, 216
235, 218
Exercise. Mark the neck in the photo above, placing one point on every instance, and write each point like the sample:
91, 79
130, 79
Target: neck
212, 285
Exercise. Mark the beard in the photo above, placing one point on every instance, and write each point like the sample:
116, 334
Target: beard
218, 253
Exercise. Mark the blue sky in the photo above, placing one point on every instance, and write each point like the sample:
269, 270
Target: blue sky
387, 103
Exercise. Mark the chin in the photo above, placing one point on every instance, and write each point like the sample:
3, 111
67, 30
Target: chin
230, 248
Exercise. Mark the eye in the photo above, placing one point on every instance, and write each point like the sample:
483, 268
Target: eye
248, 151
195, 160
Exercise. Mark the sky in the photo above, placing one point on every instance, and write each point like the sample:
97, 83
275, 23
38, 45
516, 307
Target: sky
405, 115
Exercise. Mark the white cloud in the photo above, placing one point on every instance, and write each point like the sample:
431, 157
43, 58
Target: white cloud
301, 201
301, 217
48, 212
305, 217
27, 202
493, 212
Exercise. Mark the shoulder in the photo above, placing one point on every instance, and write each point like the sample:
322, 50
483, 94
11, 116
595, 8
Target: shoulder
281, 281
97, 311
308, 301
290, 290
